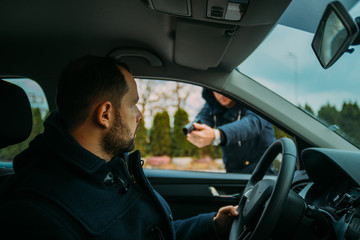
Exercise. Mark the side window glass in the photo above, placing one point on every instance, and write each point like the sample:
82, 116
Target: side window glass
40, 110
167, 107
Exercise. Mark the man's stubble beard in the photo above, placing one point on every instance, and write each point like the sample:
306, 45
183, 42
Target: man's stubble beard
118, 139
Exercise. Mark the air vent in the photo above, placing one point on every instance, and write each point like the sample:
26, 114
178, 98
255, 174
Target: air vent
298, 187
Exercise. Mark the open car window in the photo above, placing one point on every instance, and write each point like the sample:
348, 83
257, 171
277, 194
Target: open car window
40, 110
168, 106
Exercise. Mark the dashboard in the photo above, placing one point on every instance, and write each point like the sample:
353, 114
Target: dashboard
332, 196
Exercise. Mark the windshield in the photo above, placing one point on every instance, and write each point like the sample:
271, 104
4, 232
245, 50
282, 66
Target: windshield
286, 64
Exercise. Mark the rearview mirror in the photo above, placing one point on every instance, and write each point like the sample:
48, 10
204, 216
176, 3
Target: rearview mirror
335, 33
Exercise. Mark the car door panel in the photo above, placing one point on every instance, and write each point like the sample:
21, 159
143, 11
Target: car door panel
190, 193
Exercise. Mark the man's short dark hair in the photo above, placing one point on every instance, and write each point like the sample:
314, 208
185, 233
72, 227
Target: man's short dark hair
86, 81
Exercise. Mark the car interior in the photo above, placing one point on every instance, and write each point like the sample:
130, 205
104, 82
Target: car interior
315, 194
18, 129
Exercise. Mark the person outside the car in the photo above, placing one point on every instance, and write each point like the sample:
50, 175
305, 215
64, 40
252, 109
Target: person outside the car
77, 179
242, 134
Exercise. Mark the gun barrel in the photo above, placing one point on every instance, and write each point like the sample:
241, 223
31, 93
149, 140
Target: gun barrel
188, 128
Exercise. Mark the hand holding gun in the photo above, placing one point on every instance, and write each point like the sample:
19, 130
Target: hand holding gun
188, 128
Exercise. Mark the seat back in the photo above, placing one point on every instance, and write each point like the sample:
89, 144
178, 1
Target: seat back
16, 117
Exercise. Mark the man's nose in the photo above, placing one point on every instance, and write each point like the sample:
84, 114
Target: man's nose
139, 116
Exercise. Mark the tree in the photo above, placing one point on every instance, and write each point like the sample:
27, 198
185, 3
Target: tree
329, 114
216, 152
308, 109
38, 126
158, 96
180, 146
181, 93
146, 91
210, 151
141, 140
349, 120
160, 140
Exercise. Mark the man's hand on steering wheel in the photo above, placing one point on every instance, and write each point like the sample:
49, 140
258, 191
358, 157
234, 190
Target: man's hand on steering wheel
224, 219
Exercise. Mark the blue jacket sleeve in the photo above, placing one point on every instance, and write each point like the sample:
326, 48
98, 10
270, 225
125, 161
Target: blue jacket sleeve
248, 127
205, 116
200, 227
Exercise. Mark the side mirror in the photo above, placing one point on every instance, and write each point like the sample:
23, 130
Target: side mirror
335, 33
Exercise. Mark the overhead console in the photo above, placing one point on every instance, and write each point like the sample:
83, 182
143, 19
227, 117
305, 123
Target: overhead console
234, 12
229, 10
240, 27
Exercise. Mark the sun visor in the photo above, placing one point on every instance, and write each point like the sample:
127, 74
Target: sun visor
200, 45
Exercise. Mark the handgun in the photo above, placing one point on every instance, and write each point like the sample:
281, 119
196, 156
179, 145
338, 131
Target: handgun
188, 128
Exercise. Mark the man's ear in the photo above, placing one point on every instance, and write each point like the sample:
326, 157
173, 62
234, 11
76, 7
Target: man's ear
104, 114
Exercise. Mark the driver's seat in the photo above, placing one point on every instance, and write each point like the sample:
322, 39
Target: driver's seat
16, 119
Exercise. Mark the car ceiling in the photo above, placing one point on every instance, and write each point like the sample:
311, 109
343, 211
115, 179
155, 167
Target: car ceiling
40, 37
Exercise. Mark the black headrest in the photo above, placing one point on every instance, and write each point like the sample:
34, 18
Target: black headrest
16, 115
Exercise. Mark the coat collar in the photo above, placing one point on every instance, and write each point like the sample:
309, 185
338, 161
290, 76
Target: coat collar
59, 140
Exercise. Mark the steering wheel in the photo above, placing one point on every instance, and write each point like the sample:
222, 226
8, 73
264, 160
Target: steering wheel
262, 200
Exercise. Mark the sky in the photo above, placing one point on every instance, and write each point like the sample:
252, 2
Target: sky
286, 64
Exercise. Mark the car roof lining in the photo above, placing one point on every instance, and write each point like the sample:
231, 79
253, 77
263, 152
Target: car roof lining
40, 38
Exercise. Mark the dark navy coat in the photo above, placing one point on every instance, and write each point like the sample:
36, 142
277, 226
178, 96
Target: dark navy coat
62, 191
247, 134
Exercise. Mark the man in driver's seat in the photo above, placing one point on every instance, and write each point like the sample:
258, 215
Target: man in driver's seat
77, 180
